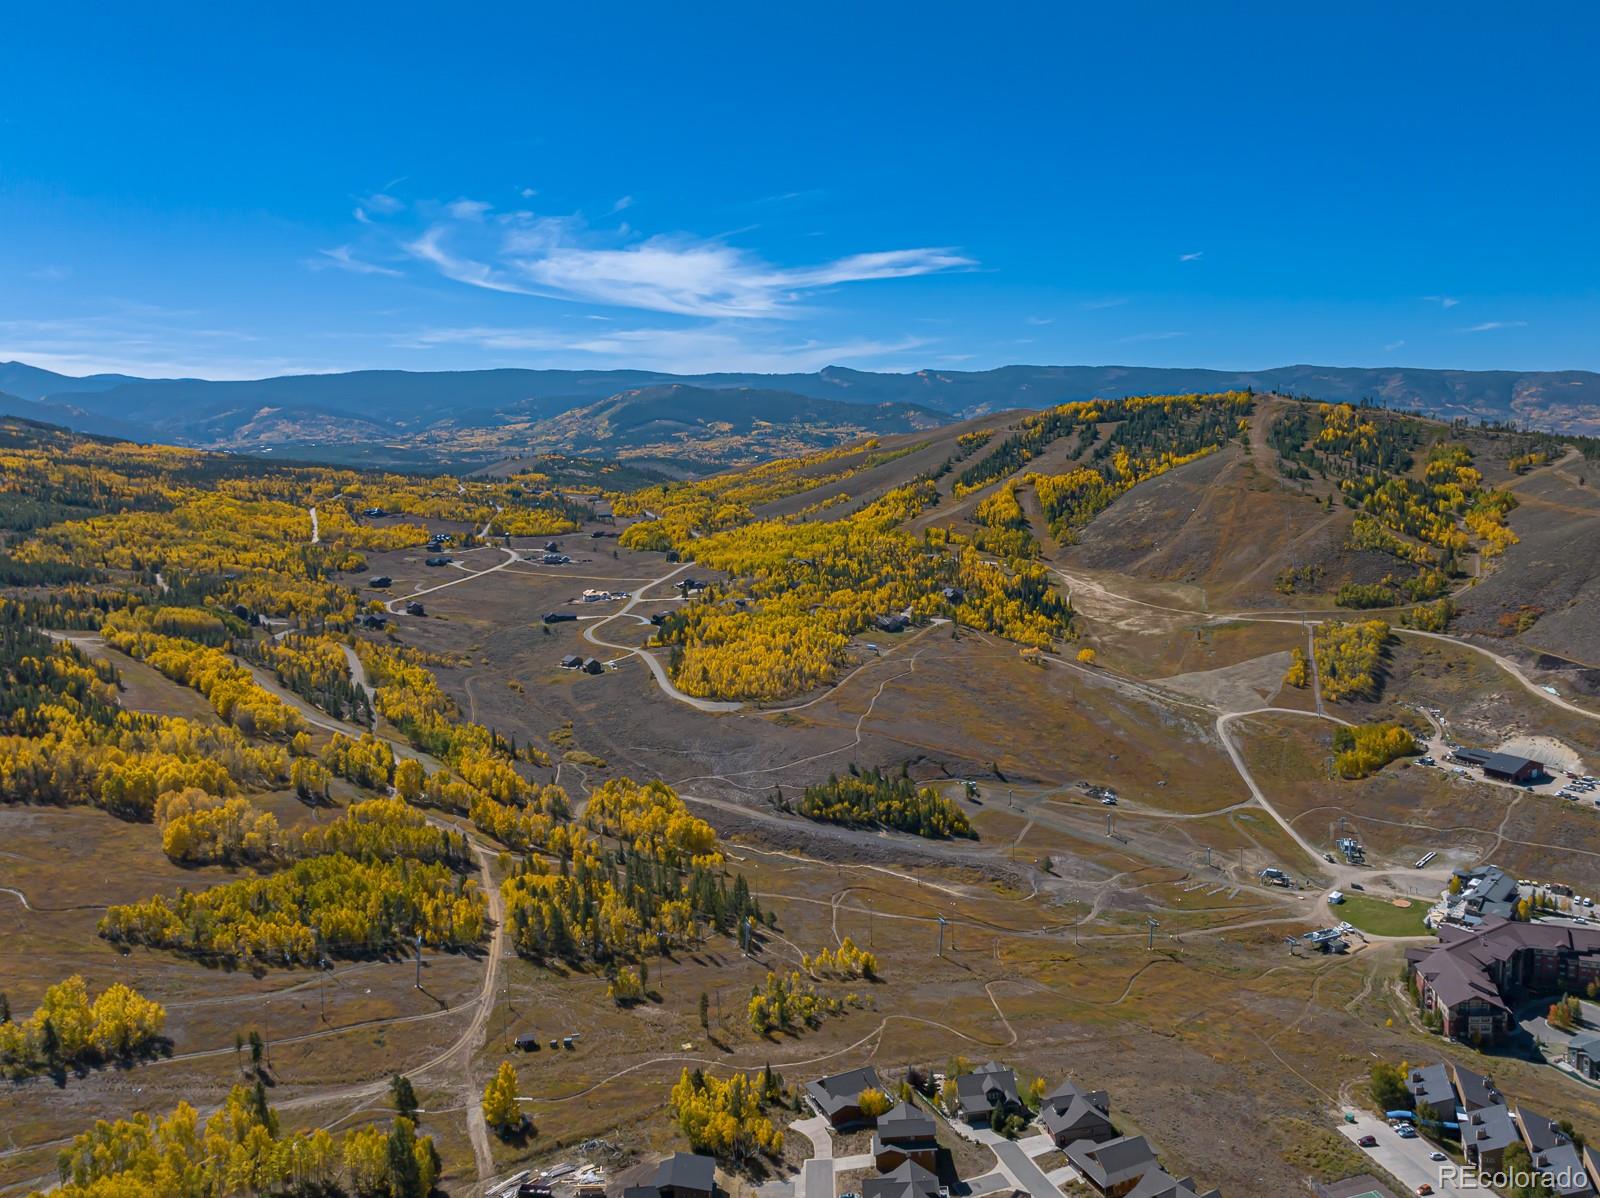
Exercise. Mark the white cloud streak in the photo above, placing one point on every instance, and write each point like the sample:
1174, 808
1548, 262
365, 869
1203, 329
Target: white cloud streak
562, 258
737, 347
342, 257
1490, 326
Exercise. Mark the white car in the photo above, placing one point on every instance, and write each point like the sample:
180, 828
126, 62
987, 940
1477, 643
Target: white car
1437, 1156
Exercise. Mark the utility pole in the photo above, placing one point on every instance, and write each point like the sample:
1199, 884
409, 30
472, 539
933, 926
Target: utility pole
1208, 856
942, 922
419, 960
1152, 942
1110, 826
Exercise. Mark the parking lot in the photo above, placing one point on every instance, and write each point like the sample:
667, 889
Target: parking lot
1406, 1160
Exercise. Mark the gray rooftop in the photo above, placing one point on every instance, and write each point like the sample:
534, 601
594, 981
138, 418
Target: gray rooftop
1539, 1132
841, 1090
687, 1171
906, 1124
1489, 1130
1430, 1084
910, 1180
972, 1089
1564, 1169
1122, 1159
1160, 1184
1474, 1090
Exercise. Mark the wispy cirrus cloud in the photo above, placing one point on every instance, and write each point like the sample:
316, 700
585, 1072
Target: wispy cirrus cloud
737, 346
564, 258
144, 340
342, 257
468, 210
1192, 256
1444, 301
1158, 336
1491, 326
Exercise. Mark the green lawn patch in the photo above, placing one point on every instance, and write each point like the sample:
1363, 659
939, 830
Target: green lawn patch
1382, 918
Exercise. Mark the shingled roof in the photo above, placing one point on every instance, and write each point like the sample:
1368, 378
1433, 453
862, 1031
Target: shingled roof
1160, 1184
972, 1089
841, 1091
906, 1124
1107, 1165
1457, 968
910, 1180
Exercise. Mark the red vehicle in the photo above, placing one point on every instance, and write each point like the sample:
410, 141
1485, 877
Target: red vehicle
1368, 1141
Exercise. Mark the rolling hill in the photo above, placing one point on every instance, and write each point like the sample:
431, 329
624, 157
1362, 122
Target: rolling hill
717, 423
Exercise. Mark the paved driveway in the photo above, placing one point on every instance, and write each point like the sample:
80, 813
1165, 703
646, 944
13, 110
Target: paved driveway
816, 1175
1407, 1160
816, 1178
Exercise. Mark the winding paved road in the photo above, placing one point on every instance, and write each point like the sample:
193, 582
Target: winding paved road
650, 659
512, 556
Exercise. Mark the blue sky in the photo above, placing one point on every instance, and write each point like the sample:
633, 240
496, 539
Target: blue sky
187, 190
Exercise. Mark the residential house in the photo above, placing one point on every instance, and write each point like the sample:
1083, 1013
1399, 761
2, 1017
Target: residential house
1159, 1184
987, 1091
571, 662
1431, 1093
1583, 1054
1115, 1167
909, 1180
906, 1133
681, 1175
1486, 1134
838, 1098
1070, 1114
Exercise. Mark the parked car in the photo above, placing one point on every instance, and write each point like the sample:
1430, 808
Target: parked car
1437, 1156
1368, 1141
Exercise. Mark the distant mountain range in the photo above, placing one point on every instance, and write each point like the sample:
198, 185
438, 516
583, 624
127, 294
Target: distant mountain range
482, 414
